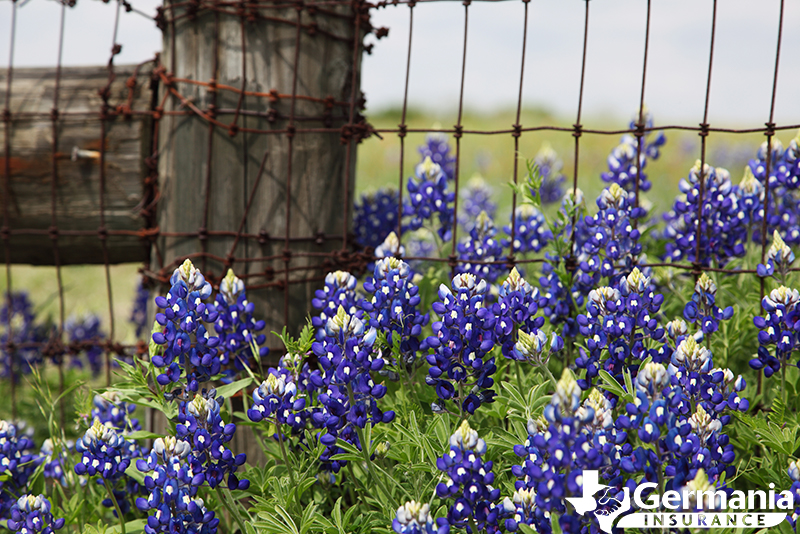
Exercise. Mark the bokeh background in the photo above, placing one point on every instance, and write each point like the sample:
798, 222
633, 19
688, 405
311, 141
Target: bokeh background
676, 79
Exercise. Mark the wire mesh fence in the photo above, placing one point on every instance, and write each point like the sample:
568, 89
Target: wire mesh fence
156, 91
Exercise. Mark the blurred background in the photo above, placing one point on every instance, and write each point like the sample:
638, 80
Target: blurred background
676, 80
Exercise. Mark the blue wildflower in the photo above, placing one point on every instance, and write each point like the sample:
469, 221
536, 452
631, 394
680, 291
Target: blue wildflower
18, 462
428, 196
462, 341
31, 515
777, 336
85, 335
173, 483
438, 150
183, 344
703, 308
475, 198
416, 518
550, 167
469, 482
236, 327
477, 252
531, 232
375, 216
339, 290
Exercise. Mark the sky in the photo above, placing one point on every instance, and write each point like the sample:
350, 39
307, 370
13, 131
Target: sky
677, 62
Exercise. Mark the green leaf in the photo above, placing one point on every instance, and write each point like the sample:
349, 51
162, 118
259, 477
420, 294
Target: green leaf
142, 434
134, 473
228, 390
611, 385
131, 527
526, 529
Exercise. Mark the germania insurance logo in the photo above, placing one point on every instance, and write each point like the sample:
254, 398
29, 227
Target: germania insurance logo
755, 509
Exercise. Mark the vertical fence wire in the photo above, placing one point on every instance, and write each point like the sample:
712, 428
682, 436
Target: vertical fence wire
56, 347
458, 134
516, 135
640, 122
9, 348
703, 135
401, 132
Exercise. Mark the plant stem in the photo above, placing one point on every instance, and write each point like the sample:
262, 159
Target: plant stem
231, 508
550, 376
783, 383
474, 524
283, 453
370, 467
116, 505
519, 376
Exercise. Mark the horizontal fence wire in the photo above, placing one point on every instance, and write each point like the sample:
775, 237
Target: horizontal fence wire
341, 118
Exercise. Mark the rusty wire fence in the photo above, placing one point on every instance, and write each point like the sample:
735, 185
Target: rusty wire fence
296, 258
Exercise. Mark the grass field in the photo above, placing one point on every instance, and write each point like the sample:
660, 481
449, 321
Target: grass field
491, 156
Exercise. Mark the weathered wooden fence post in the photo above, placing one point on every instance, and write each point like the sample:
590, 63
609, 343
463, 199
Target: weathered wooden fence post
245, 82
256, 160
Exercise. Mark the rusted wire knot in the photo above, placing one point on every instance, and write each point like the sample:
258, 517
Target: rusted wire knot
517, 130
149, 234
381, 32
290, 131
54, 114
638, 131
202, 233
770, 131
263, 237
570, 263
459, 131
703, 129
319, 238
5, 233
233, 129
511, 262
452, 261
53, 232
6, 115
287, 255
102, 233
577, 130
311, 29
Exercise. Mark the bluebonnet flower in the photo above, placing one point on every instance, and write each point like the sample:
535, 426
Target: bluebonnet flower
173, 485
393, 308
515, 311
481, 246
200, 423
722, 233
703, 309
750, 195
612, 242
568, 439
339, 290
779, 258
616, 324
53, 467
107, 454
236, 327
622, 167
777, 328
348, 395
783, 203
788, 171
181, 340
31, 515
110, 410
18, 462
550, 167
390, 247
461, 342
374, 216
103, 452
531, 232
416, 518
25, 332
86, 334
428, 195
476, 197
469, 481
276, 399
138, 316
438, 150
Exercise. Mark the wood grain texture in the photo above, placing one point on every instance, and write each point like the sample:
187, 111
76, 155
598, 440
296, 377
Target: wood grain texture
318, 170
77, 197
